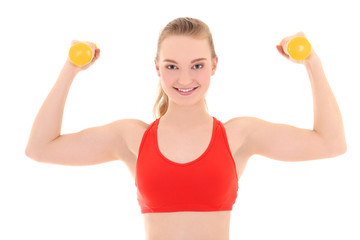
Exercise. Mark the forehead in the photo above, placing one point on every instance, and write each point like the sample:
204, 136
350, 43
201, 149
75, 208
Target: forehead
184, 47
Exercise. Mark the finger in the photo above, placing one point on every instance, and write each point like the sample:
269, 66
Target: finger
285, 42
92, 45
97, 53
300, 34
73, 42
281, 51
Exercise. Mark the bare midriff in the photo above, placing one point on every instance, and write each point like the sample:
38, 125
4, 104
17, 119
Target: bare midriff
187, 225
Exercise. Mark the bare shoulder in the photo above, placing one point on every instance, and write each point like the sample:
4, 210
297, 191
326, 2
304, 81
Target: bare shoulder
238, 131
132, 131
240, 125
246, 127
133, 124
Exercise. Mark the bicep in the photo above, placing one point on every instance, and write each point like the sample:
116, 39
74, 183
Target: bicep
88, 147
286, 143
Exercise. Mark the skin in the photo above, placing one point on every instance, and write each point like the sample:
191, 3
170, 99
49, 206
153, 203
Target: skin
190, 126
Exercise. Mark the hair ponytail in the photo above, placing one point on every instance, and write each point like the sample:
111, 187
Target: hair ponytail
161, 104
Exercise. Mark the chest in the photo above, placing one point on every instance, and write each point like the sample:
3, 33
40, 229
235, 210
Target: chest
183, 147
205, 181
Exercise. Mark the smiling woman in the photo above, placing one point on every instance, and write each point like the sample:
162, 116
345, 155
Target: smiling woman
186, 163
181, 27
190, 70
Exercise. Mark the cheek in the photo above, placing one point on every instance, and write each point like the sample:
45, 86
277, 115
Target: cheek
202, 77
167, 79
168, 76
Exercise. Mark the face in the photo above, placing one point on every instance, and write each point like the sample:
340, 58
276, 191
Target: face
185, 68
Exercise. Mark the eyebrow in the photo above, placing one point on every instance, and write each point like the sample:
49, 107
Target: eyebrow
195, 60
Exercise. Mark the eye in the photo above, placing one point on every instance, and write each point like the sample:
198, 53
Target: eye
171, 67
198, 66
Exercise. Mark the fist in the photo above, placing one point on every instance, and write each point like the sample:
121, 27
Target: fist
82, 53
296, 48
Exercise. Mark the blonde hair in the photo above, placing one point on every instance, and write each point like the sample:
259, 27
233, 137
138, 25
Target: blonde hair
180, 26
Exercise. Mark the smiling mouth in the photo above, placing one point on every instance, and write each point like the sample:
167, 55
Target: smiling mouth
185, 91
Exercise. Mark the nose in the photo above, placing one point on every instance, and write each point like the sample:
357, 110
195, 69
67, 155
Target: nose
185, 78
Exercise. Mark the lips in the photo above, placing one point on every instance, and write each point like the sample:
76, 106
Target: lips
185, 91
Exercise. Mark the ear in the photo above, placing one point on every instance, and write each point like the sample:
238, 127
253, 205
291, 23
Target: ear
214, 65
157, 67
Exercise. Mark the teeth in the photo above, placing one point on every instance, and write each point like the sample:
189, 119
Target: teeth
185, 90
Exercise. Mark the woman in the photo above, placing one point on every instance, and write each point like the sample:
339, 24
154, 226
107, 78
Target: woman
186, 164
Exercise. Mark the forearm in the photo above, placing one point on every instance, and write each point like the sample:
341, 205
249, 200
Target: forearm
327, 117
47, 124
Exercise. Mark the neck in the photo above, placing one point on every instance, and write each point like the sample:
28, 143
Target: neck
186, 116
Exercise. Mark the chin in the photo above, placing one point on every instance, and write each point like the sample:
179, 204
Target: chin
187, 102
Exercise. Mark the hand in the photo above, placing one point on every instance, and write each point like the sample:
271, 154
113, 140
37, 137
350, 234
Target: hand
283, 49
96, 55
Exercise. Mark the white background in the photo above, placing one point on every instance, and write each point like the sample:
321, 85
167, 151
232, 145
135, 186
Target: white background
276, 200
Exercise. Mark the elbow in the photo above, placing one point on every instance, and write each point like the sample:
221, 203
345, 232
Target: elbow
334, 146
341, 145
337, 149
32, 154
343, 149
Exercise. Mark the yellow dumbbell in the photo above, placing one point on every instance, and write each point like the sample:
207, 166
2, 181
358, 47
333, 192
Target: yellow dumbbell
81, 54
298, 48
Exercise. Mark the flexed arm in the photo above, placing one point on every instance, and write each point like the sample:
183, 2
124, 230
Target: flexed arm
288, 143
90, 146
47, 125
327, 117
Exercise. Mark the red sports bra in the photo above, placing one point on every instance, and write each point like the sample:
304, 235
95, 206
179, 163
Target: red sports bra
209, 183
